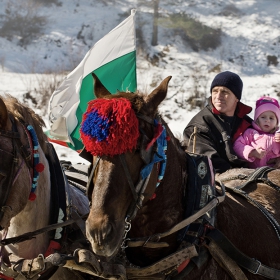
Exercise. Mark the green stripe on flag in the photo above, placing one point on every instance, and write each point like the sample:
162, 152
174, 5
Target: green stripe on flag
117, 75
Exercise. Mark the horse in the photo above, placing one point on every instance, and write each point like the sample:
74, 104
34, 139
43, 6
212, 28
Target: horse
137, 199
32, 196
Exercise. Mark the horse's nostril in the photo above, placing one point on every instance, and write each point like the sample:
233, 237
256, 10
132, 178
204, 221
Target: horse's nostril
100, 233
107, 231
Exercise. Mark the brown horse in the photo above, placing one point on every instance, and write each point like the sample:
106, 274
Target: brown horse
128, 210
29, 200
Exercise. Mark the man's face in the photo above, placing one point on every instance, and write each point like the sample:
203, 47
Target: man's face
224, 100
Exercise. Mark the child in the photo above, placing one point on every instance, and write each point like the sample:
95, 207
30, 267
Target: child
259, 144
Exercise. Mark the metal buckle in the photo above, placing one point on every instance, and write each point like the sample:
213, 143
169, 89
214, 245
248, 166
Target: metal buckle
257, 270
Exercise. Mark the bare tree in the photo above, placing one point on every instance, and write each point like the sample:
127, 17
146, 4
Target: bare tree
155, 24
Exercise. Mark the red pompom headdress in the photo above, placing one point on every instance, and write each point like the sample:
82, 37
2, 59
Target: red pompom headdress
109, 127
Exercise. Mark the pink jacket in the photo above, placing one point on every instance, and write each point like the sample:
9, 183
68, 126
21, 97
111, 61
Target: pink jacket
253, 138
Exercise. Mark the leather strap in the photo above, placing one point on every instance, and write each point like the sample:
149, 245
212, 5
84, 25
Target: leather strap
226, 139
32, 234
79, 221
128, 177
257, 174
252, 265
150, 241
85, 261
226, 262
168, 262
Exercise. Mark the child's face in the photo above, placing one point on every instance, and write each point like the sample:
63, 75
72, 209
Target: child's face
267, 121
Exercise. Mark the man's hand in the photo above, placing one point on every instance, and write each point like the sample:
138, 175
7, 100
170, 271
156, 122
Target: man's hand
275, 162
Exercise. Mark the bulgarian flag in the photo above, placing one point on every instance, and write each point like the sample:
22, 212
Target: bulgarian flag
113, 60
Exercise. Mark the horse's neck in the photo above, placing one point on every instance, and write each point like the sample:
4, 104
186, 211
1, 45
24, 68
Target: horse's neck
166, 208
34, 216
170, 189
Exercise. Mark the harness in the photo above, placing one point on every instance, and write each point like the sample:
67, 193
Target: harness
209, 237
152, 153
85, 261
62, 211
259, 175
215, 236
218, 245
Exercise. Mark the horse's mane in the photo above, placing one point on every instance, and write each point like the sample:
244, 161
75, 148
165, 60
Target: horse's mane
27, 116
177, 143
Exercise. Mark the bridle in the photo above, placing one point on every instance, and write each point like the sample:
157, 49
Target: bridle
137, 190
9, 164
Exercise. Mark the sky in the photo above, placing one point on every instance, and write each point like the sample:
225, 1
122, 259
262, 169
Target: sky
250, 33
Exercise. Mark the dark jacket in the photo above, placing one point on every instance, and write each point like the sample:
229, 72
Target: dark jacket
215, 135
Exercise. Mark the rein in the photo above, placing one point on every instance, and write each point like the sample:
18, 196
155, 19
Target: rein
32, 234
139, 189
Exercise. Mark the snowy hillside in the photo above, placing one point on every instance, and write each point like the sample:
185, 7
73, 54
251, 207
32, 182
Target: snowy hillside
249, 44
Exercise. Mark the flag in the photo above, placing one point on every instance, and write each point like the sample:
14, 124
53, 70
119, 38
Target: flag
113, 60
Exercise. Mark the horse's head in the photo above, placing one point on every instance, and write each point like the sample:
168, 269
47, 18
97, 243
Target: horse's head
121, 132
15, 164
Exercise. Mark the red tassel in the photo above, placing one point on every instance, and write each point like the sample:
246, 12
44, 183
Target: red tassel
53, 247
153, 196
32, 196
167, 138
39, 167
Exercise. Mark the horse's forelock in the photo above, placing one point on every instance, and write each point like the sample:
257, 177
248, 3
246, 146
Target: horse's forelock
26, 115
137, 99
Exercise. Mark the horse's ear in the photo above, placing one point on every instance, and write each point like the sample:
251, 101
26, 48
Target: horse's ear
158, 94
3, 114
99, 89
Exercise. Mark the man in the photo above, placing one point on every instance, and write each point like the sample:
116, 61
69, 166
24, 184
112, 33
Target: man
213, 130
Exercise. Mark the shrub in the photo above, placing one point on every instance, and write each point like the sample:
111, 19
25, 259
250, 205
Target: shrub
48, 2
198, 35
198, 91
40, 90
230, 10
22, 20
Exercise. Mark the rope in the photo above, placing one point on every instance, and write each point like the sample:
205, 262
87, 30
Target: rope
37, 167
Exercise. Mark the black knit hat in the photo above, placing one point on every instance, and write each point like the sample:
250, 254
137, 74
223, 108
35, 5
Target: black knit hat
229, 80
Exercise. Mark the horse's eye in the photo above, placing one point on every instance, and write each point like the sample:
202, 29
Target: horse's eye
137, 149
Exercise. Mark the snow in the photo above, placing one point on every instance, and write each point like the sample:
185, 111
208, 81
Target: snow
250, 33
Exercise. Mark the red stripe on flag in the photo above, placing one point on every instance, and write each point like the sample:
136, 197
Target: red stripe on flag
62, 143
